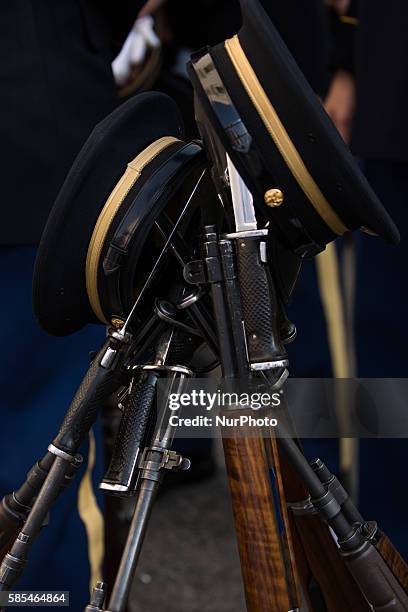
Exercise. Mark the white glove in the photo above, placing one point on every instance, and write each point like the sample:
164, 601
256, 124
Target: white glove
141, 37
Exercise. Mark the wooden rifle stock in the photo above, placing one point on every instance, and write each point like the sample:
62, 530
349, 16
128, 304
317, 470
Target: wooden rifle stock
393, 559
273, 456
263, 563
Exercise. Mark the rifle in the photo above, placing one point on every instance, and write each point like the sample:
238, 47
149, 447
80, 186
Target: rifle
350, 572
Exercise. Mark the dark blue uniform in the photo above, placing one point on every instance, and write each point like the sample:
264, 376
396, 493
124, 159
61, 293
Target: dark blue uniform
55, 69
38, 378
374, 46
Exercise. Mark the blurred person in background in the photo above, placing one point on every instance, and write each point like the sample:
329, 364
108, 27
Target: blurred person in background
57, 83
368, 101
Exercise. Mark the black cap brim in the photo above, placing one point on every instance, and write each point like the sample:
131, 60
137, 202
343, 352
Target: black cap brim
60, 297
282, 138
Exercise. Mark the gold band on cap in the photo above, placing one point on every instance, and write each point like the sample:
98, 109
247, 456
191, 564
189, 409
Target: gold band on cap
280, 136
112, 205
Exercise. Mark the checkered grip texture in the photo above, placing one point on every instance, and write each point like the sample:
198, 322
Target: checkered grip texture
259, 304
132, 430
97, 385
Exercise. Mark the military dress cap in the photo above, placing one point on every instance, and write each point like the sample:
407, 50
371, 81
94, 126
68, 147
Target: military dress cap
253, 99
132, 166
